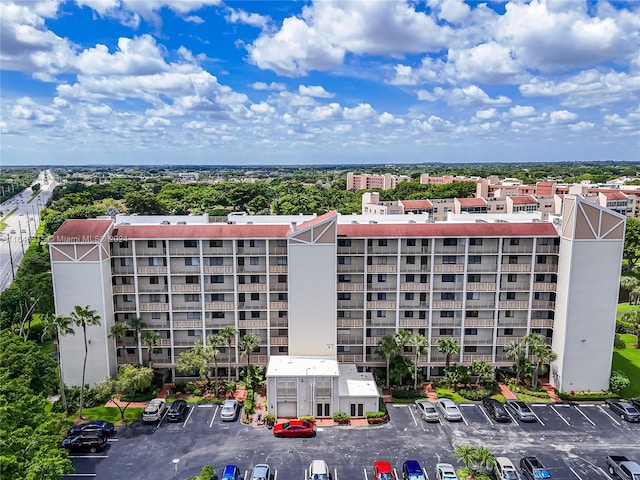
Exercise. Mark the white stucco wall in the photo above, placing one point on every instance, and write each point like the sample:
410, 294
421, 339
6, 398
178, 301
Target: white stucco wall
85, 283
312, 300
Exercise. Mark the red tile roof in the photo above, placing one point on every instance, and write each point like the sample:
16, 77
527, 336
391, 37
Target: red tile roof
472, 202
416, 204
318, 220
522, 200
81, 231
536, 229
221, 230
613, 195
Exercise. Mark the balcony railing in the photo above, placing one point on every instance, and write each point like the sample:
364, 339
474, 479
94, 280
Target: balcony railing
219, 306
152, 288
473, 358
154, 307
350, 287
448, 268
541, 323
513, 305
123, 288
154, 270
349, 358
279, 305
381, 305
188, 287
278, 269
252, 287
481, 287
350, 322
414, 287
516, 267
413, 323
544, 287
546, 267
480, 304
280, 341
218, 269
479, 322
446, 305
382, 268
253, 323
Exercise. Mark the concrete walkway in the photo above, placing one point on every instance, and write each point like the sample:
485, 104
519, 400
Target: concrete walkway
504, 390
551, 390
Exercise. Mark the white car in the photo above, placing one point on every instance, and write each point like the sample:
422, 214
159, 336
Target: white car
505, 470
427, 410
318, 470
445, 471
154, 410
229, 410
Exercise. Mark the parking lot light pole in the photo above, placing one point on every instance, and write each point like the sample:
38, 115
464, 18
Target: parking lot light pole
176, 461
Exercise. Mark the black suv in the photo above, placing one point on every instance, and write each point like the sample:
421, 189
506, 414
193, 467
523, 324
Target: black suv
177, 411
496, 410
533, 469
86, 441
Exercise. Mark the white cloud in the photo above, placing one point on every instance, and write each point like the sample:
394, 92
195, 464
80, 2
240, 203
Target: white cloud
453, 11
269, 86
486, 114
241, 16
388, 119
359, 113
99, 110
314, 91
137, 56
562, 116
467, 96
519, 111
489, 63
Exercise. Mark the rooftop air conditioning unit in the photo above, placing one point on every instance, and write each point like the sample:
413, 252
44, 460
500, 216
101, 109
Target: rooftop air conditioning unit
181, 223
164, 222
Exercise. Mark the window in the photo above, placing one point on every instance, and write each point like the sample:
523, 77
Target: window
240, 243
410, 278
471, 331
125, 262
127, 298
153, 262
154, 298
282, 279
411, 242
283, 297
408, 314
344, 242
471, 313
255, 296
513, 260
217, 297
217, 314
191, 297
344, 260
381, 314
475, 259
344, 296
151, 244
511, 295
450, 242
255, 314
446, 332
155, 316
514, 241
192, 279
423, 278
344, 278
473, 278
191, 261
541, 259
254, 243
424, 260
256, 260
124, 244
281, 243
154, 280
447, 296
422, 315
217, 279
449, 260
190, 243
282, 260
446, 313
382, 242
382, 296
543, 241
382, 277
470, 349
241, 297
194, 333
193, 315
424, 242
539, 277
215, 243
508, 331
411, 260
213, 261
409, 296
473, 295
508, 313
475, 241
255, 278
512, 277
283, 314
448, 278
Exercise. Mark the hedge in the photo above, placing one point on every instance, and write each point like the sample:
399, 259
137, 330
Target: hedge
577, 396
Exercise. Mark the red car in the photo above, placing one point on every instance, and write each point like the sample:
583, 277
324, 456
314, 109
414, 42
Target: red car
293, 428
383, 471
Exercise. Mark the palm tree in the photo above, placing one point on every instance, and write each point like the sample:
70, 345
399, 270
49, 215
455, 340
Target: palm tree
248, 343
517, 352
403, 339
450, 347
53, 327
421, 346
214, 342
137, 324
118, 331
465, 454
388, 348
481, 369
484, 459
633, 317
542, 355
150, 338
228, 333
84, 317
628, 284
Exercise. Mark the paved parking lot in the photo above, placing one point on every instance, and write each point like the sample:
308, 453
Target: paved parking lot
572, 441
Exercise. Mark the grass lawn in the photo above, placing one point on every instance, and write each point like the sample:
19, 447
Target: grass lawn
625, 307
111, 414
49, 348
628, 361
530, 398
446, 393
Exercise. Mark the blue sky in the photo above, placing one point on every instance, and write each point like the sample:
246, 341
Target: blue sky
331, 82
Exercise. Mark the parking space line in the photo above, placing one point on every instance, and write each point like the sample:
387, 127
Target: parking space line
365, 474
584, 415
305, 474
558, 413
245, 474
275, 475
166, 410
574, 472
335, 474
608, 415
485, 414
513, 419
395, 474
214, 417
88, 456
463, 419
79, 474
112, 439
412, 416
188, 417
534, 413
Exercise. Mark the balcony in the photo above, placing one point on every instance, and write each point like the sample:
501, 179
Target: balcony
546, 267
523, 249
123, 288
122, 270
350, 268
544, 287
486, 249
446, 305
481, 287
512, 323
154, 307
131, 359
482, 267
372, 340
541, 323
280, 269
350, 304
219, 306
255, 305
161, 362
515, 287
252, 287
215, 251
253, 323
448, 249
124, 307
547, 248
480, 304
473, 358
413, 267
280, 341
381, 305
506, 340
446, 323
218, 287
186, 307
218, 269
513, 305
187, 324
186, 342
413, 323
186, 288
279, 305
475, 340
353, 250
350, 323
515, 267
350, 287
414, 287
448, 268
218, 323
448, 286
382, 287
251, 269
150, 252
179, 269
479, 322
155, 270
156, 324
279, 322
349, 358
382, 268
152, 288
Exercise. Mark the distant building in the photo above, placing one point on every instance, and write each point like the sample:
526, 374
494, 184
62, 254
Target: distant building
365, 181
189, 176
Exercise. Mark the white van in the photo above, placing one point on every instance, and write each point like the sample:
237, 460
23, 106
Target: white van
505, 470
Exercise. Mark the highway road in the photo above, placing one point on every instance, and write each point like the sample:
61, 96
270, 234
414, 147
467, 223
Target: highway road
22, 225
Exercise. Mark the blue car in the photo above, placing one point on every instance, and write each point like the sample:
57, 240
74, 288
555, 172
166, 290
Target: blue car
230, 472
411, 470
94, 426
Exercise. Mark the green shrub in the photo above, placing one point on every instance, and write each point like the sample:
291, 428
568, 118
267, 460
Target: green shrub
197, 392
618, 381
475, 394
407, 392
625, 327
207, 472
248, 403
308, 418
578, 396
376, 417
340, 418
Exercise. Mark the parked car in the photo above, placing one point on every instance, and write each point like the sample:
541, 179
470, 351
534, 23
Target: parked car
154, 410
625, 410
427, 410
318, 470
229, 410
293, 428
411, 470
623, 467
496, 410
231, 472
504, 469
382, 471
449, 410
520, 410
533, 469
93, 426
177, 410
445, 471
86, 441
262, 471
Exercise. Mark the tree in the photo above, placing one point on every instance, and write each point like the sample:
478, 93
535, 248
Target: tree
633, 317
517, 352
450, 347
628, 284
130, 381
254, 377
484, 459
542, 355
420, 347
482, 369
388, 348
136, 324
52, 327
84, 317
228, 333
248, 343
214, 342
631, 251
144, 202
196, 358
465, 454
618, 382
475, 459
150, 339
118, 331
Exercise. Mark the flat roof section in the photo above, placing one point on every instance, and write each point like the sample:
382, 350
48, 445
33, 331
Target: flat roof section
288, 366
353, 383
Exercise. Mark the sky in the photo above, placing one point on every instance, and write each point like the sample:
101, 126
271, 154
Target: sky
210, 82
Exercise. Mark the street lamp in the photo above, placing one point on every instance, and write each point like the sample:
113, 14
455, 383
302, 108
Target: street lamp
13, 274
21, 241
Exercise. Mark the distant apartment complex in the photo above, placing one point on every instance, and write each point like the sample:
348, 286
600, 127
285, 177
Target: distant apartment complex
364, 181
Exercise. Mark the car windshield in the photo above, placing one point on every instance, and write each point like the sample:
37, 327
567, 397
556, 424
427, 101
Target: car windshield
227, 409
509, 475
632, 410
320, 476
416, 476
541, 474
150, 410
449, 477
429, 409
386, 476
452, 409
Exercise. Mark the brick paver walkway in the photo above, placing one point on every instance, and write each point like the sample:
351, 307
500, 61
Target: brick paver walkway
551, 390
504, 390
